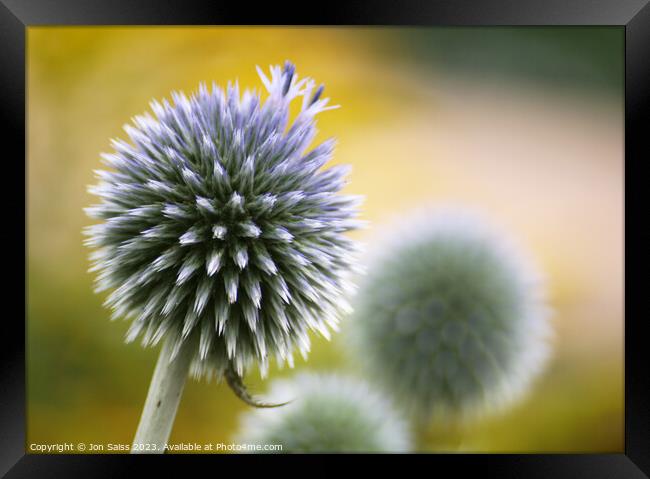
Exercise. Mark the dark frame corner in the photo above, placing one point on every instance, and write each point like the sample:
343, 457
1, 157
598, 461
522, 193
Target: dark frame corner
633, 15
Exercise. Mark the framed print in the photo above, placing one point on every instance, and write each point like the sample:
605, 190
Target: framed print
386, 232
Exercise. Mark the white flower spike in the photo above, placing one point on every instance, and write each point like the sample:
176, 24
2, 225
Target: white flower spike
220, 231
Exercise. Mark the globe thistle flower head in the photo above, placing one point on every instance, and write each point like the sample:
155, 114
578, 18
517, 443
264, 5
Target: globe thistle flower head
329, 413
219, 226
451, 319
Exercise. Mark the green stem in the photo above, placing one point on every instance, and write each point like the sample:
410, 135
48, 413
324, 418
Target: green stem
162, 400
439, 437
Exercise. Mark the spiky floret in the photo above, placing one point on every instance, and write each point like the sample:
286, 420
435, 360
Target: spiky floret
451, 318
328, 413
218, 226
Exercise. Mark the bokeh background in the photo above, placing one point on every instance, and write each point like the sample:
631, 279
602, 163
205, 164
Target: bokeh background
523, 124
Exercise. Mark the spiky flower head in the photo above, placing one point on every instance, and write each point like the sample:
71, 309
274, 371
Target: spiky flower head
218, 226
328, 413
451, 318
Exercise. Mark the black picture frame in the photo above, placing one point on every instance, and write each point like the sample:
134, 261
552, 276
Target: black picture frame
631, 15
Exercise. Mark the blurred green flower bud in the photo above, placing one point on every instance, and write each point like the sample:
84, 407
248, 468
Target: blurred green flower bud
329, 413
450, 319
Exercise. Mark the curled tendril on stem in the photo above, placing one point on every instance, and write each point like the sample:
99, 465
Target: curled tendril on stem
237, 385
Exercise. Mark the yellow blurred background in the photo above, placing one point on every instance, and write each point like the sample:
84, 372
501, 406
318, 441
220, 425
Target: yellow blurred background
525, 125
